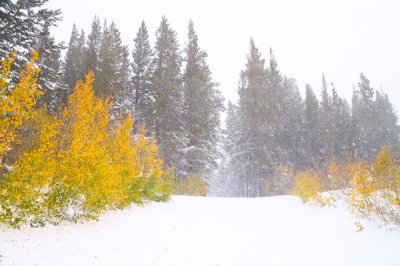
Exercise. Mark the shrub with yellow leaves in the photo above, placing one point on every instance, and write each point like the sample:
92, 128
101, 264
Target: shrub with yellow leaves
85, 158
339, 175
375, 188
153, 181
16, 102
306, 186
193, 185
25, 193
371, 189
78, 165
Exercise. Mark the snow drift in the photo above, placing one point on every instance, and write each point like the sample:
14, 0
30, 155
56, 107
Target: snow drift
207, 231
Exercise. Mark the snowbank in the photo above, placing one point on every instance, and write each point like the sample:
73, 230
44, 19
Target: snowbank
207, 231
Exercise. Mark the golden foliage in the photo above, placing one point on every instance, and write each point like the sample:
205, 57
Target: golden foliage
192, 185
372, 189
77, 165
154, 182
306, 186
84, 152
339, 175
16, 103
375, 188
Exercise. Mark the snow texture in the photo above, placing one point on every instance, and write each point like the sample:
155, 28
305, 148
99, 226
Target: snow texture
207, 231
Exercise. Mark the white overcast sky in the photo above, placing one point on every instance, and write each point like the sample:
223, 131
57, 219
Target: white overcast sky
338, 37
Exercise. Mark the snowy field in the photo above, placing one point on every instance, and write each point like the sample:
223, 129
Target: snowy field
207, 231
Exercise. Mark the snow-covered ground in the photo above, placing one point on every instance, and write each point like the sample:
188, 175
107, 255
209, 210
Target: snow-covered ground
207, 231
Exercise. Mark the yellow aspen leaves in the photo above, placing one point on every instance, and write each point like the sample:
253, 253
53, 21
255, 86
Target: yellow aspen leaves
371, 189
376, 188
78, 164
306, 186
16, 102
193, 185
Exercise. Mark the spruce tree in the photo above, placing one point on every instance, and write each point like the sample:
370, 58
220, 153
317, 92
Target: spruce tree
202, 106
167, 119
124, 99
312, 131
254, 153
142, 68
50, 76
292, 134
20, 24
92, 50
113, 75
275, 112
341, 128
386, 131
374, 121
229, 175
73, 65
363, 116
326, 122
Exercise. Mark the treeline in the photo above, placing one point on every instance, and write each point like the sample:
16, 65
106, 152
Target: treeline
168, 89
272, 131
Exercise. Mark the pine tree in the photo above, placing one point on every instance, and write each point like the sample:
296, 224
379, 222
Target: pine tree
113, 76
312, 123
107, 73
355, 115
74, 64
202, 105
167, 121
254, 153
124, 98
327, 120
92, 50
341, 128
230, 168
275, 112
386, 131
363, 118
142, 68
292, 134
20, 24
50, 77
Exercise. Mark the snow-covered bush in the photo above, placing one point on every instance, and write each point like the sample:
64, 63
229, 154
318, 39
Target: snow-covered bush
307, 186
371, 189
375, 189
78, 165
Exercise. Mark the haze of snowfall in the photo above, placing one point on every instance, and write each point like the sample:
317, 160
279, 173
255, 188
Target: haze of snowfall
168, 88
